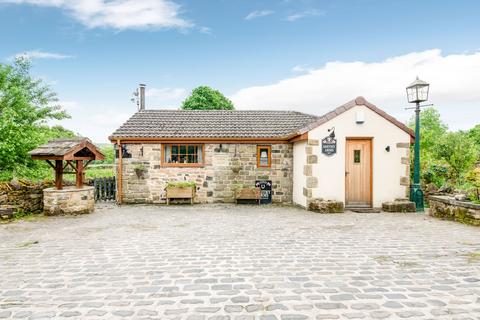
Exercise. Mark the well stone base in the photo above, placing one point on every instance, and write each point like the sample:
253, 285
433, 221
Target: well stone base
69, 200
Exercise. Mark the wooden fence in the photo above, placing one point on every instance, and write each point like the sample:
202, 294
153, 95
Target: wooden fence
105, 189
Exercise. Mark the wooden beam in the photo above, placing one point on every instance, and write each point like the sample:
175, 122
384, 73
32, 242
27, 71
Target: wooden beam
50, 164
301, 137
47, 157
86, 164
58, 174
79, 177
135, 140
69, 163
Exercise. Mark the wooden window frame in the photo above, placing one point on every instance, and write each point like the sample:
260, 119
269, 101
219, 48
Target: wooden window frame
182, 165
269, 148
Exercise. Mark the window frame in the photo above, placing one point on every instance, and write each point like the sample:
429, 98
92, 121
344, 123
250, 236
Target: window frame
183, 165
269, 148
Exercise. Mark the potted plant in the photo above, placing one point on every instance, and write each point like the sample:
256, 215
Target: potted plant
235, 165
180, 190
140, 170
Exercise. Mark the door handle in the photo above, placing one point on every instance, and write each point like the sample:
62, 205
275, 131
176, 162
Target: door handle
346, 172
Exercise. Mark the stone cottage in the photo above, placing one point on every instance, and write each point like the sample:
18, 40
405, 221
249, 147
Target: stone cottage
356, 154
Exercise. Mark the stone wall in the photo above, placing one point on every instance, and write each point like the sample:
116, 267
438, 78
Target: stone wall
224, 166
446, 207
69, 200
24, 197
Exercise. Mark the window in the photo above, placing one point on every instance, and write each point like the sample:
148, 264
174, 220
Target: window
182, 155
356, 156
264, 157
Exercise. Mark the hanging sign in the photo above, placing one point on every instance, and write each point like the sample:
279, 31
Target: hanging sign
329, 144
265, 190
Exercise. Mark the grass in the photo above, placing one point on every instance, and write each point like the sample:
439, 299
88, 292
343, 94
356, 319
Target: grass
472, 256
27, 244
382, 259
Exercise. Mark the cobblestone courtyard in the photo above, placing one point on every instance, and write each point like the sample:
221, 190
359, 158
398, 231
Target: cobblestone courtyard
238, 262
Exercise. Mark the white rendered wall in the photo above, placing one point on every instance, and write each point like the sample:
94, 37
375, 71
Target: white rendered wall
387, 166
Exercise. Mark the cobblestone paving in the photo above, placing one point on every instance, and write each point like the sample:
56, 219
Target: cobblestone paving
245, 262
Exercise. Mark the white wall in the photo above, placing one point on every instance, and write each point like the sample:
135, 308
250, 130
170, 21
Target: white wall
299, 160
387, 166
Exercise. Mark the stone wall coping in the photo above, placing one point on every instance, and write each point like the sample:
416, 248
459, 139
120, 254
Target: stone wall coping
68, 189
452, 201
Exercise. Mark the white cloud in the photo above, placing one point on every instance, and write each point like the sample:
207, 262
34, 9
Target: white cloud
205, 30
118, 14
301, 68
38, 54
304, 14
258, 14
97, 121
454, 86
166, 93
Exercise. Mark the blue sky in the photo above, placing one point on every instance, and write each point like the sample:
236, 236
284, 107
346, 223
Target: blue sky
262, 54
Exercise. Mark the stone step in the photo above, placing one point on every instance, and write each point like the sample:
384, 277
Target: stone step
364, 209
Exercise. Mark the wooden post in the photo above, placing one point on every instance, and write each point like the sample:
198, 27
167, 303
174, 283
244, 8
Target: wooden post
119, 172
79, 175
58, 174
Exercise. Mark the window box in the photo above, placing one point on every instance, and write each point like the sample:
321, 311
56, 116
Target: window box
247, 194
180, 190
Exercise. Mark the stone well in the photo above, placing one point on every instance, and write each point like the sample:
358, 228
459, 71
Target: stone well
70, 200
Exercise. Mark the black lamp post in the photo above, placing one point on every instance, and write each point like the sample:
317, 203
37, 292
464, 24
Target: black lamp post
417, 92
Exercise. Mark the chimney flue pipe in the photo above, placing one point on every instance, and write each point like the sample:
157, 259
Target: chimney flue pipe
142, 97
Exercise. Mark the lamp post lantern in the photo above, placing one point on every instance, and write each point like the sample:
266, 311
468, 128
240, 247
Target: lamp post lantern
417, 92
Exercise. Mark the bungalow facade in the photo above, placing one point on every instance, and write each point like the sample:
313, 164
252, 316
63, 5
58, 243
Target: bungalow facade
356, 154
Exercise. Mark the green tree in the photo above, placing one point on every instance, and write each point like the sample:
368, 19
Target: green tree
459, 151
474, 134
25, 106
431, 129
206, 98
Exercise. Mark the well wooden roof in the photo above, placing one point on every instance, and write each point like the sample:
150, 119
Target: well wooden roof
68, 149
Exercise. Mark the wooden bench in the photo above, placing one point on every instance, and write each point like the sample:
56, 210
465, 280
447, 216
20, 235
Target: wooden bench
248, 194
180, 193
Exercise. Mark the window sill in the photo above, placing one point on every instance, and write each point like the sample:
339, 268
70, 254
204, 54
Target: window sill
182, 165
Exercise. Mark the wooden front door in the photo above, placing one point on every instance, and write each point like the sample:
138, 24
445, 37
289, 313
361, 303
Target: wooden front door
358, 173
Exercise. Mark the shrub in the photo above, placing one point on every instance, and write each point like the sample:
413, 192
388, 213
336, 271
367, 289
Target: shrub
181, 184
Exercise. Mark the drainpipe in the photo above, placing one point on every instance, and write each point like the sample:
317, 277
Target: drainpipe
119, 173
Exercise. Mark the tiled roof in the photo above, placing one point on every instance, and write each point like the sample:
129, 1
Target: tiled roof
359, 101
234, 123
213, 124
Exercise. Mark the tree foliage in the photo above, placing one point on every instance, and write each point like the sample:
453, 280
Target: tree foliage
206, 98
446, 157
26, 104
458, 151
